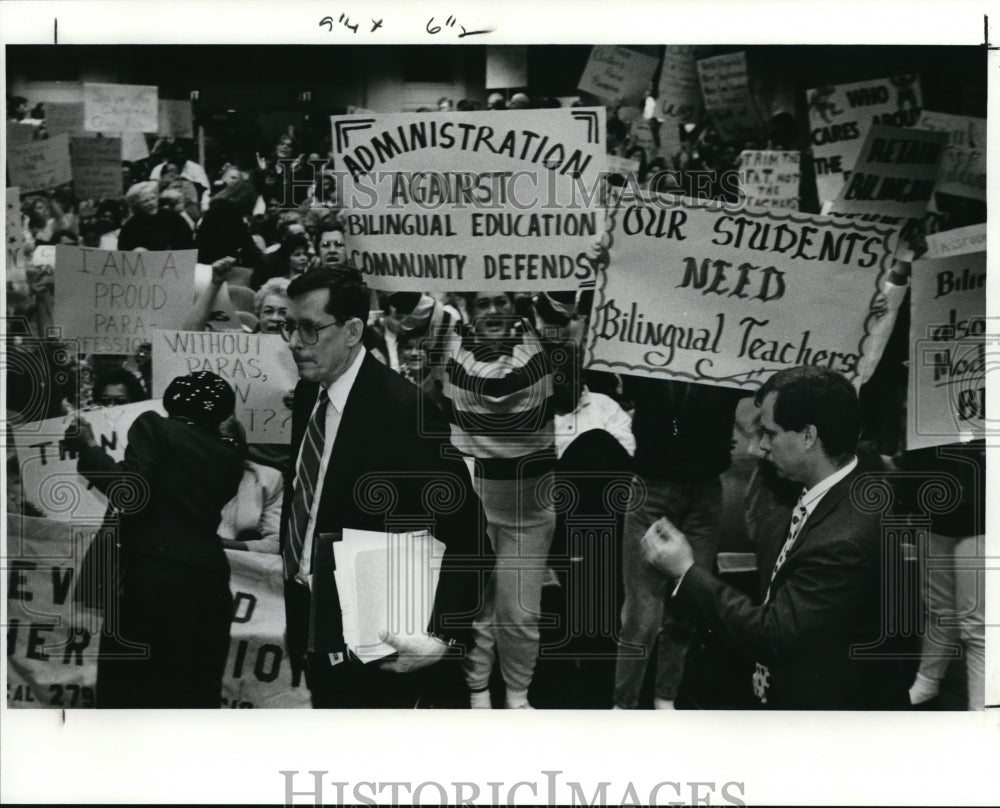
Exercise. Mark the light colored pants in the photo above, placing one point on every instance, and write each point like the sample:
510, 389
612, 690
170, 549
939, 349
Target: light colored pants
696, 510
520, 528
956, 612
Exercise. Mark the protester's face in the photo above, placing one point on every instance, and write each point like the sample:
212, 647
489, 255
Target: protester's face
283, 148
784, 449
170, 172
231, 176
298, 261
332, 248
148, 201
272, 313
411, 357
330, 356
40, 208
492, 314
113, 395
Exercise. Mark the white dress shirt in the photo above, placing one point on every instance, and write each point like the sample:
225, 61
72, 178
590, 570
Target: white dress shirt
337, 393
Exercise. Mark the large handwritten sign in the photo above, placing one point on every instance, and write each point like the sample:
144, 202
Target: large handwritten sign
963, 170
19, 132
49, 664
40, 164
679, 97
725, 87
64, 118
770, 179
704, 294
894, 174
470, 201
839, 119
48, 466
258, 366
616, 74
97, 167
120, 108
947, 387
112, 301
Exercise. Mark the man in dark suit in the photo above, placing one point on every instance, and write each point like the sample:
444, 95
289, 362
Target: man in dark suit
368, 452
821, 579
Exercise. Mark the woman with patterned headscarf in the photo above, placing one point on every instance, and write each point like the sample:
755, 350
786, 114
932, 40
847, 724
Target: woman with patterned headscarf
167, 609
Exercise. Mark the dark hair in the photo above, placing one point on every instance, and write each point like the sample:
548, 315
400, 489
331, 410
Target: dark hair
348, 291
118, 375
290, 242
817, 396
242, 195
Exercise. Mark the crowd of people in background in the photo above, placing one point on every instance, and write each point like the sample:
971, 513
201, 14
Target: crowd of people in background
258, 232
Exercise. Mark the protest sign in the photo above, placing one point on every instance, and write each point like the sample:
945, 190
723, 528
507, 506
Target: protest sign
623, 167
134, 146
40, 164
947, 379
699, 293
472, 200
839, 119
725, 88
49, 664
48, 466
64, 118
963, 170
120, 108
894, 174
957, 242
97, 167
770, 179
19, 133
112, 301
615, 74
679, 96
175, 118
259, 367
641, 134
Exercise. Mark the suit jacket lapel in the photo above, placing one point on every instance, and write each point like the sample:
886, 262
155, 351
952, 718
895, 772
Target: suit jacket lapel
830, 501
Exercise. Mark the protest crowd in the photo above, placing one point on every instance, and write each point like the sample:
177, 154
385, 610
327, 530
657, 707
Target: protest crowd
206, 341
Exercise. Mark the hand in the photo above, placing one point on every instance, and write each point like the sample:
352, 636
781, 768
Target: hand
665, 548
413, 653
80, 433
261, 162
220, 269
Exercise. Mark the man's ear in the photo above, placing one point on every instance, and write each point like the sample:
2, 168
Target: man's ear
810, 437
356, 328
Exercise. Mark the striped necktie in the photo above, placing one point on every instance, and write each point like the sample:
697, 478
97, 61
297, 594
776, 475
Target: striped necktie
306, 477
762, 675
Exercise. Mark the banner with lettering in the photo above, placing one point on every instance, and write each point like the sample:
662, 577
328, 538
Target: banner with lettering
770, 179
963, 170
120, 108
112, 301
40, 164
52, 642
894, 173
947, 385
467, 201
725, 88
97, 167
259, 367
48, 467
679, 96
705, 294
840, 116
616, 74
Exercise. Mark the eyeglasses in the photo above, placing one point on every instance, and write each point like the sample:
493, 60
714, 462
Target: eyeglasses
307, 330
112, 401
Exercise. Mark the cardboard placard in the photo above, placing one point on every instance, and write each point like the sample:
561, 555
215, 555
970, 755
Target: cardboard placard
259, 367
64, 118
948, 363
615, 74
963, 170
97, 167
175, 118
839, 119
698, 293
120, 108
112, 301
957, 242
679, 96
725, 88
770, 179
40, 164
472, 200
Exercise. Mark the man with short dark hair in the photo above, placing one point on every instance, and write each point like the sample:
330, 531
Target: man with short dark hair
369, 453
822, 580
331, 247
